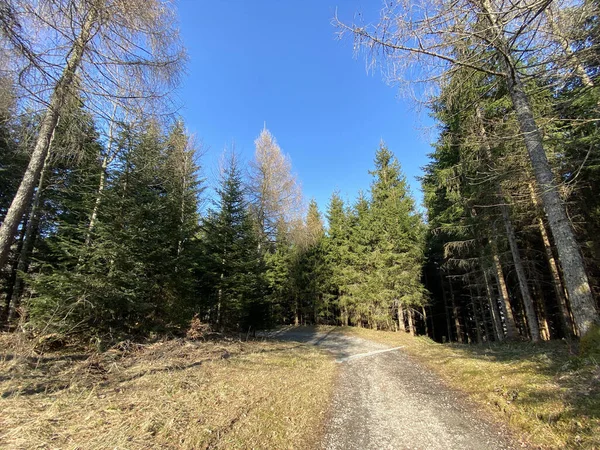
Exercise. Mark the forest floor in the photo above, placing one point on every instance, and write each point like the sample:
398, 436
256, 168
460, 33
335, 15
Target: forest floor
174, 394
547, 396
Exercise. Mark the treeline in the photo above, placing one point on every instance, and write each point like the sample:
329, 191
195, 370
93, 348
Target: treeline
113, 243
263, 261
102, 246
102, 233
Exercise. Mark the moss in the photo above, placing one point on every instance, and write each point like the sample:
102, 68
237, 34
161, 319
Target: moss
589, 347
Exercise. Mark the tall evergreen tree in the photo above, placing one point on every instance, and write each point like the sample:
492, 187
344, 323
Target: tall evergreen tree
336, 247
133, 273
399, 239
230, 265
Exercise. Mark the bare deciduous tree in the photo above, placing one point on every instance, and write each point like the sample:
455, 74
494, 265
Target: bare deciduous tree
276, 196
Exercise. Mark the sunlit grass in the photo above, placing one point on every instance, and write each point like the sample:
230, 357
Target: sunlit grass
172, 394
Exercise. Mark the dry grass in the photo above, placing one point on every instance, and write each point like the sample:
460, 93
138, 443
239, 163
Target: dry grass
172, 394
550, 398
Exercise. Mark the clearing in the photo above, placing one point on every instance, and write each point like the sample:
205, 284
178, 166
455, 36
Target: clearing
174, 394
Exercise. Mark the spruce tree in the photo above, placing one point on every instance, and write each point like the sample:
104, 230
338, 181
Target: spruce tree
230, 264
336, 255
398, 235
133, 273
312, 269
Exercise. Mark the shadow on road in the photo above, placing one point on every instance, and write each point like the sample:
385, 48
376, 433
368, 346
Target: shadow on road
331, 339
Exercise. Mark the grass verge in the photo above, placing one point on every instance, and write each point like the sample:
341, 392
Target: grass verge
171, 394
548, 397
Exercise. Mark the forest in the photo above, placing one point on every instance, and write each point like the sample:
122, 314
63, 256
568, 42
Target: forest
110, 229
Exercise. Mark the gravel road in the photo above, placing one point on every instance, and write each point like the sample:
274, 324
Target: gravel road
385, 400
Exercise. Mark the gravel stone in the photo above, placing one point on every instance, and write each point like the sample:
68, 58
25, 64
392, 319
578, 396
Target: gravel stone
386, 400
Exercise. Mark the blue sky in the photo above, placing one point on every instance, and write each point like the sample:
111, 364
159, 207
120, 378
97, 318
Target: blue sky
280, 62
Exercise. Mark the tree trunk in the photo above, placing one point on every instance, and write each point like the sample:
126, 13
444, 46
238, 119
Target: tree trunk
26, 188
456, 313
219, 302
512, 240
576, 281
532, 322
186, 161
509, 319
475, 318
401, 318
31, 231
559, 290
108, 158
540, 309
424, 311
486, 325
10, 290
94, 216
446, 310
498, 330
296, 316
411, 322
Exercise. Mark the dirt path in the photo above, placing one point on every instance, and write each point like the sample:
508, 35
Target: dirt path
385, 400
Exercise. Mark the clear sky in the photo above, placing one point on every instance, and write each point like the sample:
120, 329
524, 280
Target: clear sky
279, 62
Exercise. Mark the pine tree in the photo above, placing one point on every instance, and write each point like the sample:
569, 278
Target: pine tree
183, 189
359, 270
399, 238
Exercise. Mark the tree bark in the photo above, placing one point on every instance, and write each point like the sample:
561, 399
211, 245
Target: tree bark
540, 309
94, 215
31, 231
10, 290
498, 330
475, 318
576, 280
26, 188
411, 322
296, 316
401, 318
532, 322
456, 313
509, 319
446, 310
485, 322
559, 290
108, 158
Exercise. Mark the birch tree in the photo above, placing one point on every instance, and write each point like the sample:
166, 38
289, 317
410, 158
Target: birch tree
427, 40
